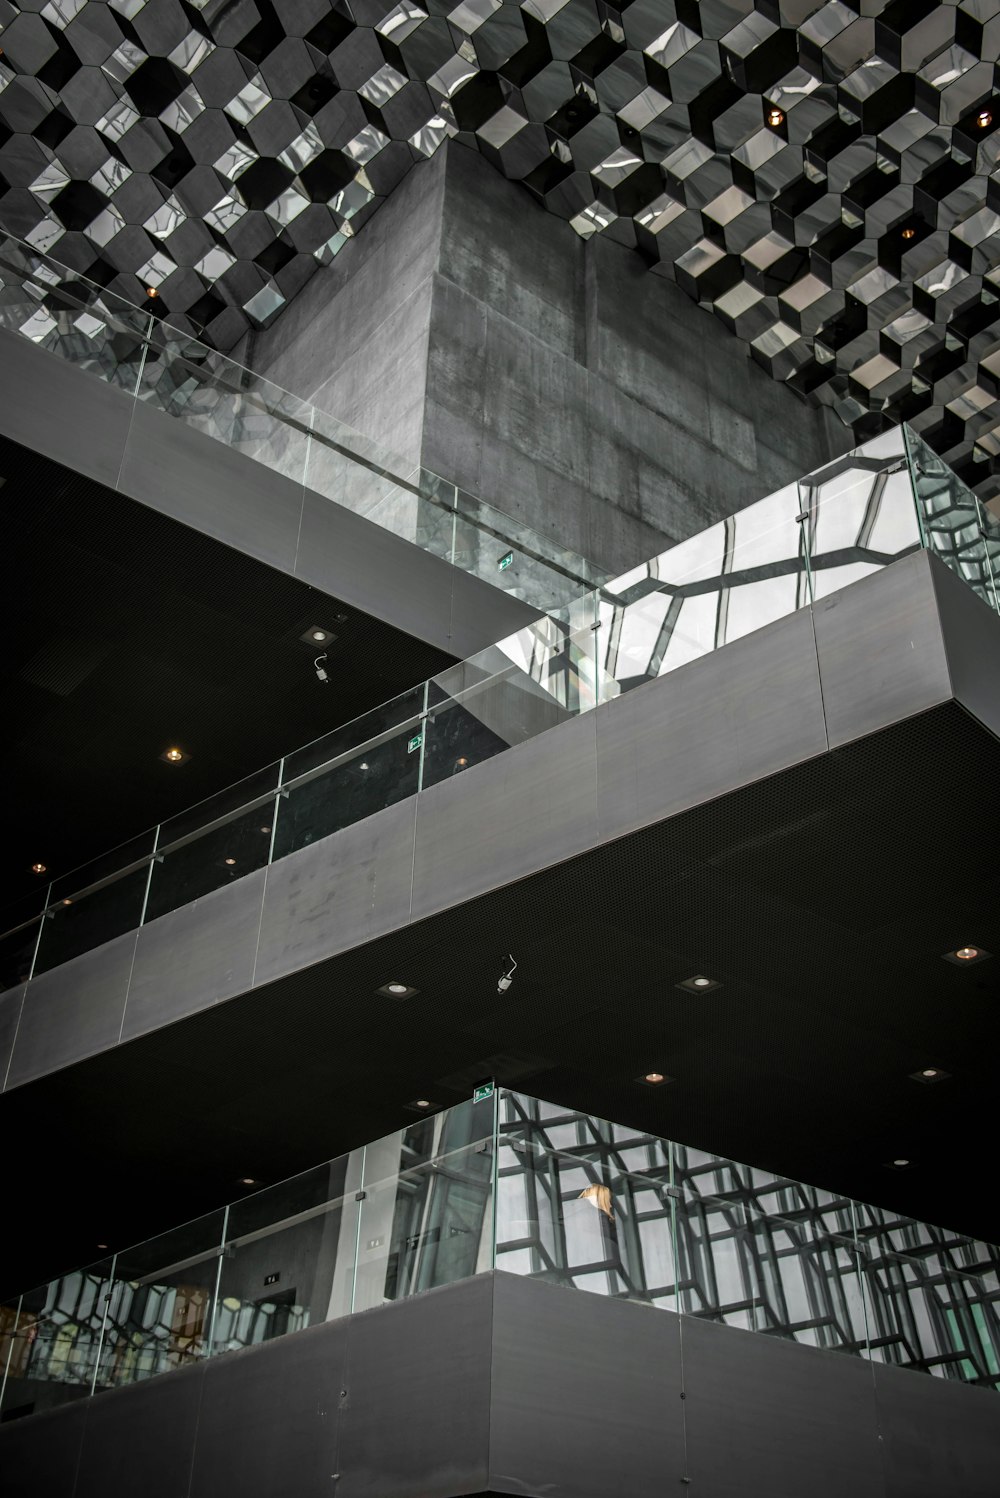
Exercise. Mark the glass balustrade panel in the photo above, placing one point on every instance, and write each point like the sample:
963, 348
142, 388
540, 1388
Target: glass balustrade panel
950, 517
705, 592
426, 1214
213, 844
932, 1298
19, 928
78, 923
162, 1303
53, 1338
859, 514
290, 1256
358, 474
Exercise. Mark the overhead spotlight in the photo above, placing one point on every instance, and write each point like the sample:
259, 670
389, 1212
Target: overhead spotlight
151, 291
318, 634
100, 1245
247, 1181
364, 765
900, 1163
397, 990
928, 1074
909, 232
775, 117
654, 1079
984, 119
421, 1105
39, 868
966, 956
699, 984
67, 901
175, 756
507, 978
229, 862
321, 671
263, 829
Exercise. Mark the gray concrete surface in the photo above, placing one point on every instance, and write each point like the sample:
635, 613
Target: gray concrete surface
559, 379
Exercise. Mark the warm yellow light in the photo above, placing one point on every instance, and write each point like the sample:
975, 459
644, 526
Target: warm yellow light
653, 1076
967, 953
230, 861
39, 868
984, 119
909, 232
151, 291
775, 117
174, 755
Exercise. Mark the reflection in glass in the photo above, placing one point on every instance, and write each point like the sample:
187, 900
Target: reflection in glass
52, 1341
79, 923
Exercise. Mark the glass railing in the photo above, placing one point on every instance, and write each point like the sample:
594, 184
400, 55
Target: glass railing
531, 1188
832, 528
156, 362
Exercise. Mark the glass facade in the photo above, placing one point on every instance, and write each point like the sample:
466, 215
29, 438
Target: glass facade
517, 1184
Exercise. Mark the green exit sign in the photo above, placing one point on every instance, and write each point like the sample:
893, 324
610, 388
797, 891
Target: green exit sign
414, 743
482, 1092
507, 560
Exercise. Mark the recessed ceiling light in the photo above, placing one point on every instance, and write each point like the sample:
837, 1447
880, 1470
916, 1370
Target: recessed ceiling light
461, 762
396, 990
422, 1105
363, 765
101, 1245
317, 635
984, 119
775, 117
229, 861
909, 232
67, 901
263, 829
966, 956
175, 756
152, 291
247, 1181
39, 868
929, 1074
654, 1079
699, 984
900, 1163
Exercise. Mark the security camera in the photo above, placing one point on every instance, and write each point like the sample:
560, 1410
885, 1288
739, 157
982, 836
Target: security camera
508, 977
321, 671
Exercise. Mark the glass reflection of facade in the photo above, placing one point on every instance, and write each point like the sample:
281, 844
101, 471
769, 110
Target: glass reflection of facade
529, 1188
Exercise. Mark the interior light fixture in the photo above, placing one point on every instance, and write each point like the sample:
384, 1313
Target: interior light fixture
396, 990
175, 756
654, 1079
928, 1074
263, 829
909, 232
984, 119
101, 1245
421, 1105
363, 765
318, 634
966, 956
230, 862
39, 868
699, 984
775, 117
247, 1181
152, 291
900, 1163
67, 901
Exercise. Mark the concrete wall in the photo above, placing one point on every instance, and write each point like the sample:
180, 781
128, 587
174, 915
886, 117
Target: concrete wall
557, 378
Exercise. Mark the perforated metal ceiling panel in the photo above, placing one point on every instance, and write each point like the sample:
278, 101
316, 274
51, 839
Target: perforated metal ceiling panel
821, 176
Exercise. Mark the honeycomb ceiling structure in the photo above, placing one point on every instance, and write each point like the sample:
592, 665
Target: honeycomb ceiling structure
823, 177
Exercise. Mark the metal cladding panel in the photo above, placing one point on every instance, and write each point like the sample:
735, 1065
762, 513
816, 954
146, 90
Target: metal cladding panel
937, 1436
125, 1451
198, 954
533, 806
338, 892
720, 722
39, 1456
73, 1010
880, 648
415, 1417
10, 1014
972, 644
47, 404
767, 1418
269, 1418
206, 484
586, 1396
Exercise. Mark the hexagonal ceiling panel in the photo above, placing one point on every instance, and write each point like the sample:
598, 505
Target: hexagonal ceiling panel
822, 176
